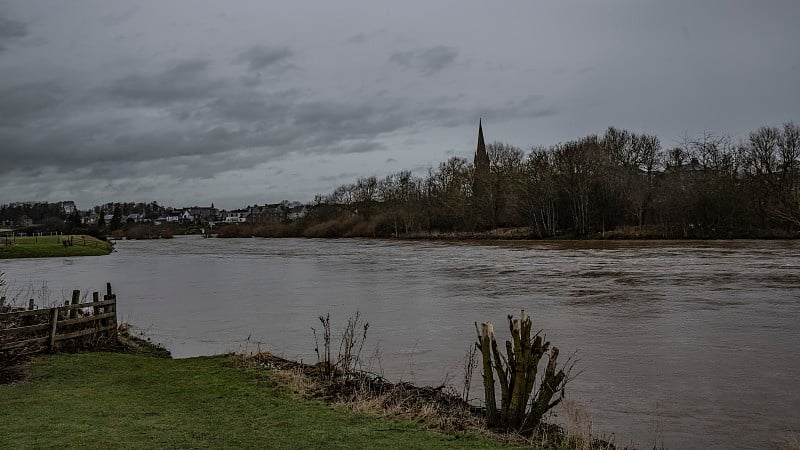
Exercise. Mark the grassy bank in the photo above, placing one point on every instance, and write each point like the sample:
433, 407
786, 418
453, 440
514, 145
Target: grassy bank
102, 400
52, 246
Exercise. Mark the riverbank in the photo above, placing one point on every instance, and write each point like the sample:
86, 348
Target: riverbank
105, 400
53, 246
357, 228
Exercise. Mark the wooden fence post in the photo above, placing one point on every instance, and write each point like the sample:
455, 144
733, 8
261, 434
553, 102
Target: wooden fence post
113, 307
53, 321
76, 297
39, 327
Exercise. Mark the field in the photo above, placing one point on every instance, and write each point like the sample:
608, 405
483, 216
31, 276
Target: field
112, 400
52, 246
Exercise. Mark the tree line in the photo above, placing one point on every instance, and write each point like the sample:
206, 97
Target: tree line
618, 184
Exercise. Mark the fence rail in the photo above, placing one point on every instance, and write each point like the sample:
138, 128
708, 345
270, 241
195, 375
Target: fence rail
67, 240
32, 328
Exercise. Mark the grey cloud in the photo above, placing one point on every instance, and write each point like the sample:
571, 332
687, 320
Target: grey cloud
182, 123
118, 17
447, 112
427, 61
351, 119
358, 38
24, 102
364, 146
250, 105
211, 124
364, 37
11, 30
209, 137
185, 81
260, 57
530, 107
341, 176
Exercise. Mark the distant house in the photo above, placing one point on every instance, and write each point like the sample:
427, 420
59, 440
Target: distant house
200, 214
276, 212
297, 212
135, 218
68, 207
25, 221
174, 217
235, 216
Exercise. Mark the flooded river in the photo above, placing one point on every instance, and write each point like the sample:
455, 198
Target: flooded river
696, 344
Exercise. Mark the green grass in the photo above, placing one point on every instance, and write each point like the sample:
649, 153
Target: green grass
52, 246
103, 400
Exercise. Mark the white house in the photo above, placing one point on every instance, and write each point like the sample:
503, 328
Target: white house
236, 216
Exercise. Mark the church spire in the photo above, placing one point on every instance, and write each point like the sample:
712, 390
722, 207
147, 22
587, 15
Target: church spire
481, 157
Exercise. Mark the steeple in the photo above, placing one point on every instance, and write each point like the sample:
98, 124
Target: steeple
481, 157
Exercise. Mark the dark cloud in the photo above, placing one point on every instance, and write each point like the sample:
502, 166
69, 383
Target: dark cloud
247, 104
182, 117
171, 109
339, 177
11, 30
198, 117
260, 58
530, 107
448, 112
26, 102
184, 121
187, 80
427, 61
116, 18
358, 38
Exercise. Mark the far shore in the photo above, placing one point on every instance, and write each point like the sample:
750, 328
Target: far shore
498, 234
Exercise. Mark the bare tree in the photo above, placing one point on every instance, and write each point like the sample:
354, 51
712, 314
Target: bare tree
578, 163
540, 192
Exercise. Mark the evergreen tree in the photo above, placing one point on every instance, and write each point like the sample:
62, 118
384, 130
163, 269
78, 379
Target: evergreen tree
116, 219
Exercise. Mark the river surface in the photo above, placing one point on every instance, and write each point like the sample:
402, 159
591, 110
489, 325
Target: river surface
693, 344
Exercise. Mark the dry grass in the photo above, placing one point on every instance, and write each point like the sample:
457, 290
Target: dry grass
790, 443
437, 409
579, 432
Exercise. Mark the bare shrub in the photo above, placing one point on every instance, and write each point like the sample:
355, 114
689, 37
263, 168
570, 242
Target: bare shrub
521, 408
470, 362
351, 346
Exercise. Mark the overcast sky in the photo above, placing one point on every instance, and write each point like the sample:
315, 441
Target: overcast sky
242, 102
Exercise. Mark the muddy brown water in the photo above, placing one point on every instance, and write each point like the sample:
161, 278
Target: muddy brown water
693, 344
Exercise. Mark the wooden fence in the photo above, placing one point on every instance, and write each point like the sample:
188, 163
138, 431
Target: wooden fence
40, 329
